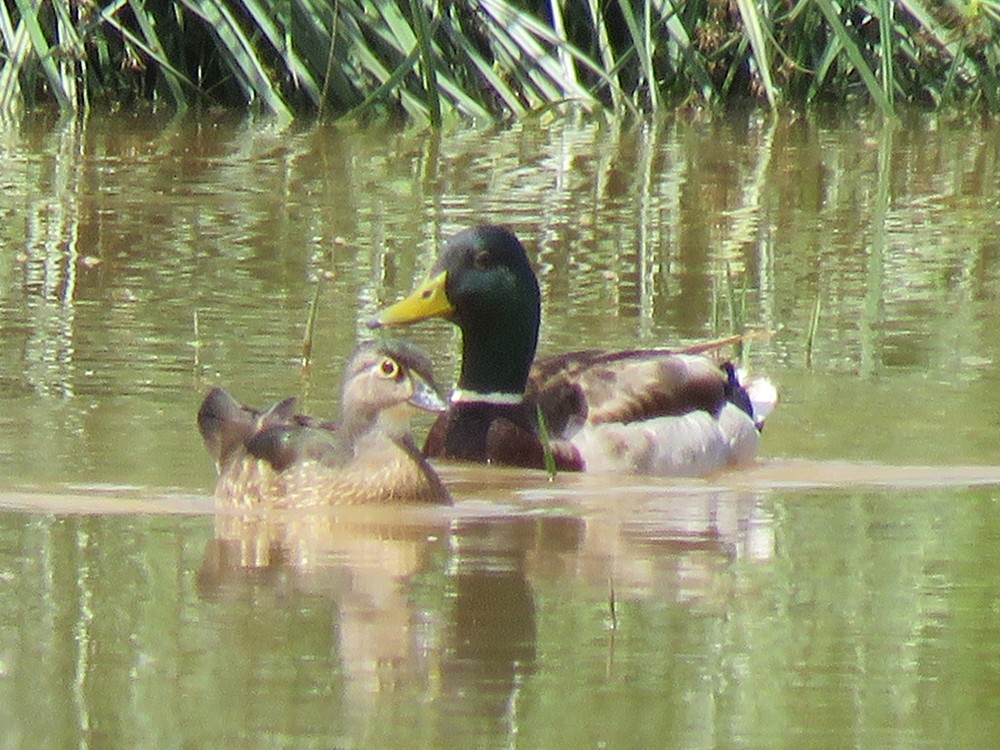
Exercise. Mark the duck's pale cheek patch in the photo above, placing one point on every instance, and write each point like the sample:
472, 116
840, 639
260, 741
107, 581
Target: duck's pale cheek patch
396, 419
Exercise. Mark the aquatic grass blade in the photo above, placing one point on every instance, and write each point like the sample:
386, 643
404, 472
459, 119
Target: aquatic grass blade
42, 50
682, 38
886, 51
485, 69
559, 29
546, 440
640, 36
604, 48
17, 48
525, 37
244, 62
954, 45
391, 82
813, 330
569, 88
402, 39
853, 52
151, 45
263, 19
753, 25
330, 53
826, 60
71, 60
525, 57
308, 336
940, 34
428, 60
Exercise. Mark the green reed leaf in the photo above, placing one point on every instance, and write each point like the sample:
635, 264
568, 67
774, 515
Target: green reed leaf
309, 336
244, 61
640, 37
546, 440
853, 52
263, 16
43, 52
754, 25
17, 47
428, 59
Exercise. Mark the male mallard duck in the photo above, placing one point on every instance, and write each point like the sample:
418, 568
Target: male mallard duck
281, 459
647, 412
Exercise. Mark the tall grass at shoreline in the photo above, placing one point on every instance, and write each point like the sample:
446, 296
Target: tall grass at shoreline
432, 60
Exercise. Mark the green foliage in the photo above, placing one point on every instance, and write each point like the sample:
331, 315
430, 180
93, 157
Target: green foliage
546, 440
431, 60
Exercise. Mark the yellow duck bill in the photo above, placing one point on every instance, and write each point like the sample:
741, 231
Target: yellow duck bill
429, 300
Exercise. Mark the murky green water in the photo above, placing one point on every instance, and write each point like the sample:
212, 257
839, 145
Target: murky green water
837, 596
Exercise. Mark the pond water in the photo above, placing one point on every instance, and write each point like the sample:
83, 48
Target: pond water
843, 593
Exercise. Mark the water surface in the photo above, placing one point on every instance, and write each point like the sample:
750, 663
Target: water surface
843, 593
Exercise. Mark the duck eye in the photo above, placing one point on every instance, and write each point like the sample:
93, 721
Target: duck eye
389, 368
482, 261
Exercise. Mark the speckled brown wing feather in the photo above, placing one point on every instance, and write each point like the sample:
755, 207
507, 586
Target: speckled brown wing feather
625, 387
296, 461
392, 471
283, 445
226, 424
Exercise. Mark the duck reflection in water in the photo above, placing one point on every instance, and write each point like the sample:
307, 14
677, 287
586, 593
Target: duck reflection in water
418, 605
438, 607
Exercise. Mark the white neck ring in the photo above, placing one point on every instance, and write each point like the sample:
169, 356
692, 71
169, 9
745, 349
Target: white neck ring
463, 396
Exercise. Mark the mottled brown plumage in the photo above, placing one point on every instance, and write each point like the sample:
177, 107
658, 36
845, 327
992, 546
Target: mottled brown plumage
276, 458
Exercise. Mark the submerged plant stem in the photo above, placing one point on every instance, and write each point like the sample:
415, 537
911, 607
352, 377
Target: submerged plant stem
307, 338
813, 329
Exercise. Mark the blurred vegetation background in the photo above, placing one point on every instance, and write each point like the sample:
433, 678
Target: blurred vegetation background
434, 60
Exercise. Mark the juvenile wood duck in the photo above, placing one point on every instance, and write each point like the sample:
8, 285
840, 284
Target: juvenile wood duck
644, 411
283, 460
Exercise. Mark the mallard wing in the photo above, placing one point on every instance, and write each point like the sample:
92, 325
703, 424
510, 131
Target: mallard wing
596, 387
648, 411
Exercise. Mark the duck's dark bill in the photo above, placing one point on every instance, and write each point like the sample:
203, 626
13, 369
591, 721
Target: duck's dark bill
425, 396
429, 300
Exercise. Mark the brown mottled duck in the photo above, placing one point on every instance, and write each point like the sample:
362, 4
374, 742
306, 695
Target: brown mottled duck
276, 458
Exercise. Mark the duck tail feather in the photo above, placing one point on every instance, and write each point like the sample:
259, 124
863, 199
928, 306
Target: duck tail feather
756, 396
763, 396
